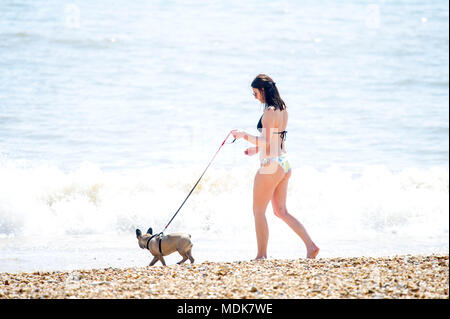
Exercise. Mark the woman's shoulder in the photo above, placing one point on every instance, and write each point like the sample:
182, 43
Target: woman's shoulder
271, 110
273, 117
269, 113
269, 117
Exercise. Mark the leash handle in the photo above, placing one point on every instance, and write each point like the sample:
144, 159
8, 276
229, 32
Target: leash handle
198, 181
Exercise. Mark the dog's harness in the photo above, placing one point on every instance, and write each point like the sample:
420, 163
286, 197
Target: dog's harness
159, 241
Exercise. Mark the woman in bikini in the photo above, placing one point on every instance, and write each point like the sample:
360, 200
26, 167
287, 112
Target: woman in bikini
272, 178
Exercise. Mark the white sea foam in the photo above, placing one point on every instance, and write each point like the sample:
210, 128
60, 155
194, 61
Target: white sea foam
45, 200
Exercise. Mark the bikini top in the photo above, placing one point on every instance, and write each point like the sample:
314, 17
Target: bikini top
282, 134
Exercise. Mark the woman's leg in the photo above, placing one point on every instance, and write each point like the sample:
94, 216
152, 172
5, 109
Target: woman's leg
263, 188
280, 210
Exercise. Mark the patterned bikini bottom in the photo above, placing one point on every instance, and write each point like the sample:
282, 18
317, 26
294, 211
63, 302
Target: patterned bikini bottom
282, 160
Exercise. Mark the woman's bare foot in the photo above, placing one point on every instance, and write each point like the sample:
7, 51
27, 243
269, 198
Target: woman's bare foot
259, 258
312, 253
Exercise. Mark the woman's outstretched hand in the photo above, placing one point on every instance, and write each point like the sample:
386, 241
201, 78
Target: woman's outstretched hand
237, 134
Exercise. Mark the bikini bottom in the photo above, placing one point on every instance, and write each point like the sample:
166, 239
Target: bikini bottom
281, 160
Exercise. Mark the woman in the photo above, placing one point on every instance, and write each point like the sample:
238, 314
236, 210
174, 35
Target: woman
272, 178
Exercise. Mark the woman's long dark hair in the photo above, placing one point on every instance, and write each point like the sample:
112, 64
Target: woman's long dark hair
271, 95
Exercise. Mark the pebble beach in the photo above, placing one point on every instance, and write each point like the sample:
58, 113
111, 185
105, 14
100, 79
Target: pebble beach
406, 276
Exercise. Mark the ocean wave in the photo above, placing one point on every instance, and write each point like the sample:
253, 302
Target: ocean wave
43, 200
80, 41
421, 82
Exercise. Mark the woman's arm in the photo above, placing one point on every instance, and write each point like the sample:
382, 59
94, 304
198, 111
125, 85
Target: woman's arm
259, 141
264, 139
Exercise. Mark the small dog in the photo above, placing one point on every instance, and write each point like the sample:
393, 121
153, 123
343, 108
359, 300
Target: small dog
160, 246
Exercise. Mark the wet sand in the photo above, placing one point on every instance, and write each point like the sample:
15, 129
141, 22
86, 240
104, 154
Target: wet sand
403, 276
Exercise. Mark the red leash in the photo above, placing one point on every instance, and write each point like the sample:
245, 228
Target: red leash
198, 180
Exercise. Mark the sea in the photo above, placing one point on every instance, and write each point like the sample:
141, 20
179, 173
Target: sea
110, 111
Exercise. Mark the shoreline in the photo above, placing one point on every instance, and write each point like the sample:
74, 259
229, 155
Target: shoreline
400, 276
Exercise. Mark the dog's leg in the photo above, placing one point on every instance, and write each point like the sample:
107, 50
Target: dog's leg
190, 256
155, 259
161, 259
183, 260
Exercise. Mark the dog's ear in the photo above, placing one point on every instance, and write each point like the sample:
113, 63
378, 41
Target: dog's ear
138, 233
150, 231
